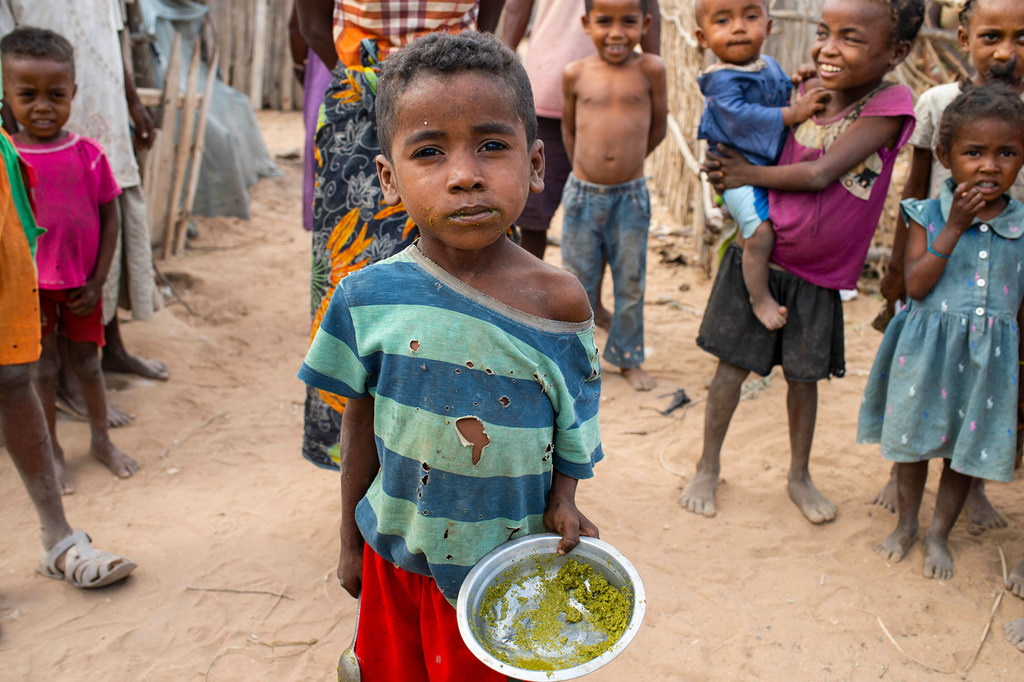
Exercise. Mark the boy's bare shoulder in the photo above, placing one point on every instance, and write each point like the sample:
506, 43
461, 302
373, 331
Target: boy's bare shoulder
554, 293
652, 65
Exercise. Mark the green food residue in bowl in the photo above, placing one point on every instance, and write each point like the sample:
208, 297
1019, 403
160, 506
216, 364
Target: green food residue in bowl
577, 596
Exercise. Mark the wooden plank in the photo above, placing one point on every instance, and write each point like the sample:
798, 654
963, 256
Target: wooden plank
259, 55
198, 146
159, 189
188, 117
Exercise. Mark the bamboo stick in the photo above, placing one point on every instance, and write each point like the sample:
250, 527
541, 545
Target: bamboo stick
188, 117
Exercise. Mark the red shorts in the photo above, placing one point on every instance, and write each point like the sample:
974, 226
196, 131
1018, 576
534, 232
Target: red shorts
55, 314
408, 631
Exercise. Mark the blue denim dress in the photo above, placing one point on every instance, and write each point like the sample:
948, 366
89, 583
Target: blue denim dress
944, 382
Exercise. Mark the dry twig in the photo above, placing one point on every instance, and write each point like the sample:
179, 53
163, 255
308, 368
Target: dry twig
279, 595
178, 442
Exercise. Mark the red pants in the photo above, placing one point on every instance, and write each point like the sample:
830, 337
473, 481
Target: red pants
408, 631
57, 316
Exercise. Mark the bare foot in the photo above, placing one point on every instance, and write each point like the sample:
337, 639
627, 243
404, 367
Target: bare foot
769, 312
699, 494
895, 547
1015, 633
133, 364
981, 515
602, 318
638, 379
938, 562
121, 464
1016, 580
886, 497
71, 404
60, 470
812, 503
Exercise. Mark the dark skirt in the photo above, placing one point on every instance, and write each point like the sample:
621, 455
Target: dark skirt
809, 346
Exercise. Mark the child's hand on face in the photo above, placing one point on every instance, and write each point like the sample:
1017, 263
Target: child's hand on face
83, 300
804, 72
562, 517
967, 202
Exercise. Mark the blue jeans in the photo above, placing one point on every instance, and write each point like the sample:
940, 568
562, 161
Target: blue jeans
610, 222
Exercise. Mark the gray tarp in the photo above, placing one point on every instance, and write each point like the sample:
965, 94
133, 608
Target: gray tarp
235, 155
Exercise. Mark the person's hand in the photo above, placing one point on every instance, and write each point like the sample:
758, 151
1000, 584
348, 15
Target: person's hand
562, 517
144, 127
967, 202
83, 300
350, 567
804, 72
892, 287
810, 103
724, 168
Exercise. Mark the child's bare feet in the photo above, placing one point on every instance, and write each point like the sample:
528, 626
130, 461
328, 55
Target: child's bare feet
812, 503
121, 464
895, 547
1016, 580
886, 497
699, 494
602, 318
938, 562
769, 312
981, 515
129, 363
638, 379
1015, 633
60, 469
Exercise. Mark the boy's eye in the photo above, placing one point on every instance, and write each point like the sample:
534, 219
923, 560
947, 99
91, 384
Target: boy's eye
426, 152
494, 146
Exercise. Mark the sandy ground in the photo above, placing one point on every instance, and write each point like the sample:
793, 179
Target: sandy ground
235, 534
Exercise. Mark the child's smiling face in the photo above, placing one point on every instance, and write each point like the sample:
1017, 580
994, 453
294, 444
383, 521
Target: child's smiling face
460, 163
854, 47
616, 27
734, 30
994, 39
987, 154
39, 93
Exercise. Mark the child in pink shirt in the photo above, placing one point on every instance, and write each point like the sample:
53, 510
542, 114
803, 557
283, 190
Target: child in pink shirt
75, 205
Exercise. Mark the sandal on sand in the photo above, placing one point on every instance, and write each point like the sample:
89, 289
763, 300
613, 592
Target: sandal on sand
84, 567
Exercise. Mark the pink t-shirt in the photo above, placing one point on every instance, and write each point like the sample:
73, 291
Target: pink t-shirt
823, 237
74, 181
557, 38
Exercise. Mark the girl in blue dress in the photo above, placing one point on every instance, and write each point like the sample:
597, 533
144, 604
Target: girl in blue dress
944, 382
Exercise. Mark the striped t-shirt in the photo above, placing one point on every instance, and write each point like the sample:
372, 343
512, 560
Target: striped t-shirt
475, 403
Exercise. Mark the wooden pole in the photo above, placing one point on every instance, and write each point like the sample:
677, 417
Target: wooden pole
198, 146
259, 55
188, 118
158, 191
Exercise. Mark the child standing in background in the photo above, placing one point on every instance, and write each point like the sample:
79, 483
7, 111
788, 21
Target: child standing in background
825, 198
746, 107
614, 109
469, 365
944, 382
75, 205
991, 32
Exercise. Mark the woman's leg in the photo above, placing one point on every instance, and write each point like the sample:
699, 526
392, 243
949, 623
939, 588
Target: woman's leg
802, 404
723, 395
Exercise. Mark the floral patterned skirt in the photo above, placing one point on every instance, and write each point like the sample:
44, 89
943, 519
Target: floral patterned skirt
352, 226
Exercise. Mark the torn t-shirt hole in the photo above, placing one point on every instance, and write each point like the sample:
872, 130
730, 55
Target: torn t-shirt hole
414, 345
471, 434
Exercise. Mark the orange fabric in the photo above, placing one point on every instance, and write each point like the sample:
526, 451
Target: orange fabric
19, 296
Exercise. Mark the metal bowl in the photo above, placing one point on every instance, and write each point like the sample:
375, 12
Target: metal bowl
520, 558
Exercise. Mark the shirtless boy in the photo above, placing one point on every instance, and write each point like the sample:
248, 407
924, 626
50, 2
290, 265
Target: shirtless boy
613, 114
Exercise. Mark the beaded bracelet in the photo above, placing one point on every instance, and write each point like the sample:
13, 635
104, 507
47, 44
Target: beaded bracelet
936, 253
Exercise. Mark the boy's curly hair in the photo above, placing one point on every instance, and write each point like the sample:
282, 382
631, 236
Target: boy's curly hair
448, 54
992, 101
30, 42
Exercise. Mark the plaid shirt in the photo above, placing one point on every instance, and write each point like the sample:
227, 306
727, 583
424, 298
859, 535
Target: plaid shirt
393, 23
